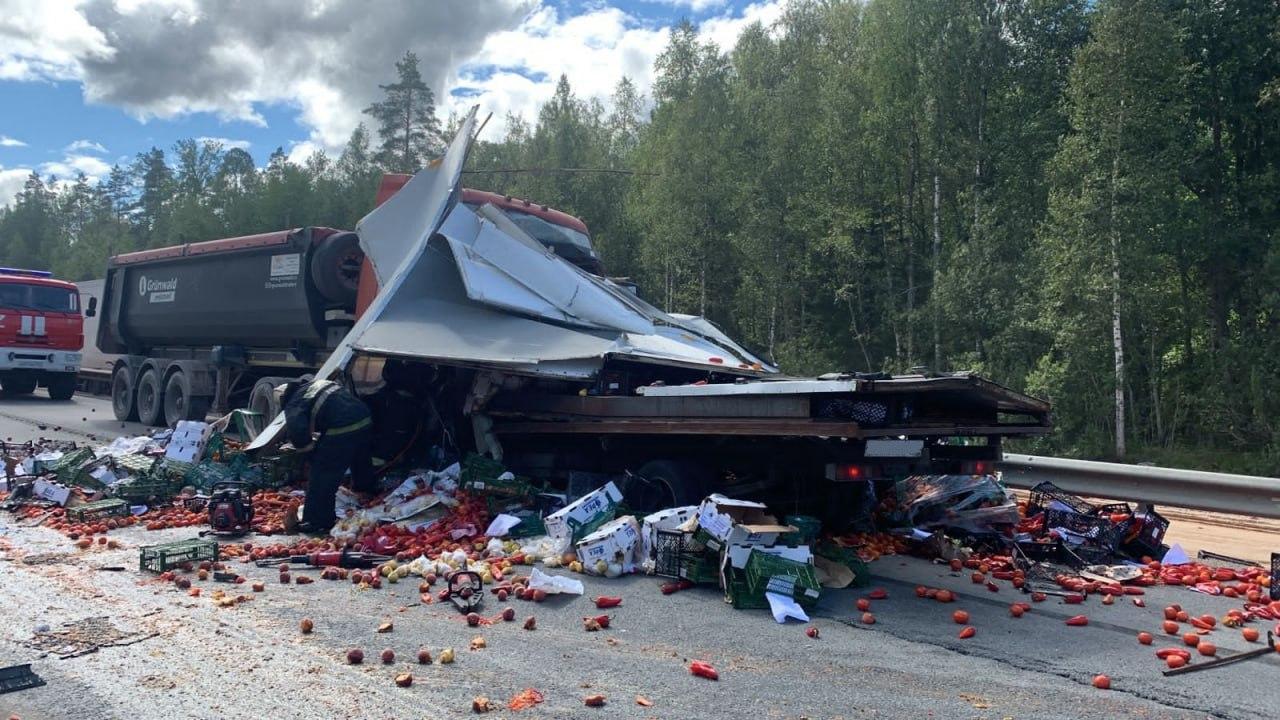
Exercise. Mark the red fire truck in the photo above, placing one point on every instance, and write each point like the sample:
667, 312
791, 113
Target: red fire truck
41, 333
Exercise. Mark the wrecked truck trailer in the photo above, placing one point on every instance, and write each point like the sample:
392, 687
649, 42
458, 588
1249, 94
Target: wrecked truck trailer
555, 370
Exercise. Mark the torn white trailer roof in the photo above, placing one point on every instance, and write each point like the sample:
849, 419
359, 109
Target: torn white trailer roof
470, 287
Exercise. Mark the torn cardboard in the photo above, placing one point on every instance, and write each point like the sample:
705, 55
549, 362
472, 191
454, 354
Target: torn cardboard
727, 521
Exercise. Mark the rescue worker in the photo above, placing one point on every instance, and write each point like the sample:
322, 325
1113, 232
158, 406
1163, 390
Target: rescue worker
324, 419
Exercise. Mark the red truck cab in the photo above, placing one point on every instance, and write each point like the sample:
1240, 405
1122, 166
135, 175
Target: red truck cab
41, 333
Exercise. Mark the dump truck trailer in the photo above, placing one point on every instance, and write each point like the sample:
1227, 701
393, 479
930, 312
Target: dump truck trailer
484, 323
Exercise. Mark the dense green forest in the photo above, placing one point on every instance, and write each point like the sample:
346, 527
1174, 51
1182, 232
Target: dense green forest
1077, 198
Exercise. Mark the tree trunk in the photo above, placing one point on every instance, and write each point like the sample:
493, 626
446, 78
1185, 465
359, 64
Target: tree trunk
1117, 339
937, 255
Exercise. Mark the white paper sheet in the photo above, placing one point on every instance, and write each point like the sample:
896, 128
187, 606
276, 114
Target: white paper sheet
784, 607
502, 525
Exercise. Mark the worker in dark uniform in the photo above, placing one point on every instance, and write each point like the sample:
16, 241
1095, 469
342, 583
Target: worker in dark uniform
324, 419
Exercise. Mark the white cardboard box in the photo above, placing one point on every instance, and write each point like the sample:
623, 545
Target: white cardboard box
668, 519
188, 441
739, 522
617, 541
51, 491
564, 523
737, 555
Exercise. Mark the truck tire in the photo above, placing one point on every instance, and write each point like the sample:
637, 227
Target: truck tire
179, 404
62, 386
335, 268
262, 399
661, 484
150, 399
18, 384
124, 398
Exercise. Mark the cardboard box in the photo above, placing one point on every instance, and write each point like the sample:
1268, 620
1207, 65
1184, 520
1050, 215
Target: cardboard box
736, 555
616, 542
738, 522
669, 519
188, 441
584, 515
51, 491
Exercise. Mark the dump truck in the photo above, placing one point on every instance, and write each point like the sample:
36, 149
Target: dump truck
41, 333
206, 325
487, 324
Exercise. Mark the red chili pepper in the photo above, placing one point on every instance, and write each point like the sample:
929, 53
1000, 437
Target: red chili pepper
1077, 620
701, 669
1073, 599
604, 601
1002, 574
1163, 653
1134, 591
1201, 624
602, 620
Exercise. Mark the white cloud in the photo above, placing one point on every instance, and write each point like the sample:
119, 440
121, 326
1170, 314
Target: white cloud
167, 58
300, 151
6, 141
694, 5
227, 143
42, 39
11, 182
84, 146
70, 166
517, 70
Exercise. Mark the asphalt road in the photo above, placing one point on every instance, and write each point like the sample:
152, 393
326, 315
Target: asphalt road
250, 661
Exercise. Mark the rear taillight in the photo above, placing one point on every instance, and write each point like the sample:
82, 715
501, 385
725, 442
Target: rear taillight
849, 472
977, 467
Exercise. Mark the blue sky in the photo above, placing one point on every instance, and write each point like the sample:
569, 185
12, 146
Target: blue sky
88, 83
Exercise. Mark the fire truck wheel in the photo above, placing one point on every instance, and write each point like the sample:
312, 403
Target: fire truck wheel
150, 399
18, 384
62, 386
124, 401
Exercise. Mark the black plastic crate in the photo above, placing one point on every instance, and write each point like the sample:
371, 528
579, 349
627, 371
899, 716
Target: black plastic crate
1146, 533
1046, 492
669, 550
1275, 576
1096, 530
1113, 509
1047, 552
18, 677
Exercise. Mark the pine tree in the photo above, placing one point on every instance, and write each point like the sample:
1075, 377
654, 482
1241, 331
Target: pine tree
406, 119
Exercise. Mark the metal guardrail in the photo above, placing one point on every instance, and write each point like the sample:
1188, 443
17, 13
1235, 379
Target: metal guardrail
1217, 492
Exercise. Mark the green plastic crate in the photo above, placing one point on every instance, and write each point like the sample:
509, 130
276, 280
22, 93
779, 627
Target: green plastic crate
161, 558
739, 593
72, 468
529, 526
102, 508
700, 568
135, 465
143, 489
771, 573
205, 475
807, 529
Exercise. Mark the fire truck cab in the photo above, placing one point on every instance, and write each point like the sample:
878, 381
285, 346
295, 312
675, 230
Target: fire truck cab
41, 333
